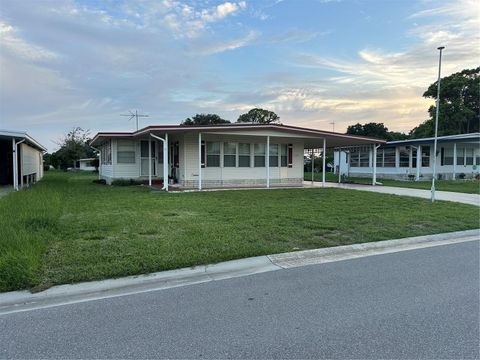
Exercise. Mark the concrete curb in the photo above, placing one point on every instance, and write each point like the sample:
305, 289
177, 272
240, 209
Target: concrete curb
17, 301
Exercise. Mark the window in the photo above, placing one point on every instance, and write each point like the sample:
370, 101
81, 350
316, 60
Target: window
404, 157
244, 155
259, 155
461, 156
364, 158
273, 155
107, 153
354, 157
283, 155
469, 156
447, 154
425, 156
125, 152
414, 158
380, 158
213, 154
229, 154
144, 148
389, 157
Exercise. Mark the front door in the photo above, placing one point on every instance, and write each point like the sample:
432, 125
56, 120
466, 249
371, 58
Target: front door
144, 169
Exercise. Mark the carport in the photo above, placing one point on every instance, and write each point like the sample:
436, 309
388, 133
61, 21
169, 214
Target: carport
21, 159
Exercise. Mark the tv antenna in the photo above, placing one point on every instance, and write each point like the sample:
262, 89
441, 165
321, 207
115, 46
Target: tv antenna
135, 115
333, 124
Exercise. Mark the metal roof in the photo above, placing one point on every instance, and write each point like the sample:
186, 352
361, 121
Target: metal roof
20, 135
474, 137
314, 135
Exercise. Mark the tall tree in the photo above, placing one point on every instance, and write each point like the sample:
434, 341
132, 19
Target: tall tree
73, 146
204, 119
377, 130
259, 116
459, 110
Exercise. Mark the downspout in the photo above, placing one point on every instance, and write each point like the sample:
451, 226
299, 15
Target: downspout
165, 160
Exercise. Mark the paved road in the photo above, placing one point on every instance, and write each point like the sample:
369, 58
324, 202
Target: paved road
415, 304
470, 199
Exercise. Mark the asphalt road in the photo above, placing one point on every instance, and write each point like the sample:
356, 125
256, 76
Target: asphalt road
414, 304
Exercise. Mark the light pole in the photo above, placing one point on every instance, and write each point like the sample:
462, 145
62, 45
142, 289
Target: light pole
436, 124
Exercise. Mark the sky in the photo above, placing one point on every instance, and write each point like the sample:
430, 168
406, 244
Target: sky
323, 64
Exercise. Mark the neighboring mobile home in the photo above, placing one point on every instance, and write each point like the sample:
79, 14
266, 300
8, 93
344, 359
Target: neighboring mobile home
458, 157
85, 164
227, 155
21, 159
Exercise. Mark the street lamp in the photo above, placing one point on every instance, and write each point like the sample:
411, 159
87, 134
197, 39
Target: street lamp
436, 125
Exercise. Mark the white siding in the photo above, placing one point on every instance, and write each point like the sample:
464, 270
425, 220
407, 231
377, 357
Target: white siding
31, 161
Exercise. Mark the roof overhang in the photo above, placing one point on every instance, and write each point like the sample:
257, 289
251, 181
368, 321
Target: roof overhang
313, 138
20, 135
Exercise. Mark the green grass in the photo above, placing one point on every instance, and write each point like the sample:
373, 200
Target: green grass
67, 229
464, 186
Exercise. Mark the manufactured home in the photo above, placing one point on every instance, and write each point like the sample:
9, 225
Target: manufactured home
226, 155
457, 157
21, 159
87, 164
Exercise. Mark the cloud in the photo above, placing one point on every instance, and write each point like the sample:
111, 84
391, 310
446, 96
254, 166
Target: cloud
220, 46
14, 44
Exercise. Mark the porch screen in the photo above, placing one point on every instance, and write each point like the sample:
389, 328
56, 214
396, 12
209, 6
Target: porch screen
213, 154
244, 155
273, 158
259, 153
229, 154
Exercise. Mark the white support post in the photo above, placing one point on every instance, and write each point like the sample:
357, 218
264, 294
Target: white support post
374, 165
455, 160
199, 161
150, 161
324, 159
313, 164
15, 163
419, 162
165, 163
267, 161
340, 164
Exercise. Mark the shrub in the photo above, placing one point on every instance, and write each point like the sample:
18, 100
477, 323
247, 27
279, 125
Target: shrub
461, 176
46, 167
126, 182
100, 181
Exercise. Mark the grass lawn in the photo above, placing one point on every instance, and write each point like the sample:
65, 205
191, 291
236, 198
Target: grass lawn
67, 229
463, 186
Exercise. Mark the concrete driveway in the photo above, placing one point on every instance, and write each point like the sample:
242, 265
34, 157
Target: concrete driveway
470, 199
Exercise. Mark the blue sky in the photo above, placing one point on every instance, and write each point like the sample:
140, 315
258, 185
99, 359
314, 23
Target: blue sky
66, 63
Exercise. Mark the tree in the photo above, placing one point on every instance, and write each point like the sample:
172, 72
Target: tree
204, 119
459, 105
377, 130
73, 146
259, 116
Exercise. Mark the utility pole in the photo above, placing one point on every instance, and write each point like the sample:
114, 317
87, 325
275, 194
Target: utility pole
436, 124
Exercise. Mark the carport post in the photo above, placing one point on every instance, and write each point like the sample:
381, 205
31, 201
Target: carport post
323, 164
313, 164
199, 161
374, 165
15, 162
419, 162
267, 161
150, 161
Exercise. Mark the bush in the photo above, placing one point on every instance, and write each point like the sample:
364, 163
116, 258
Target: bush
126, 182
46, 167
100, 181
461, 176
